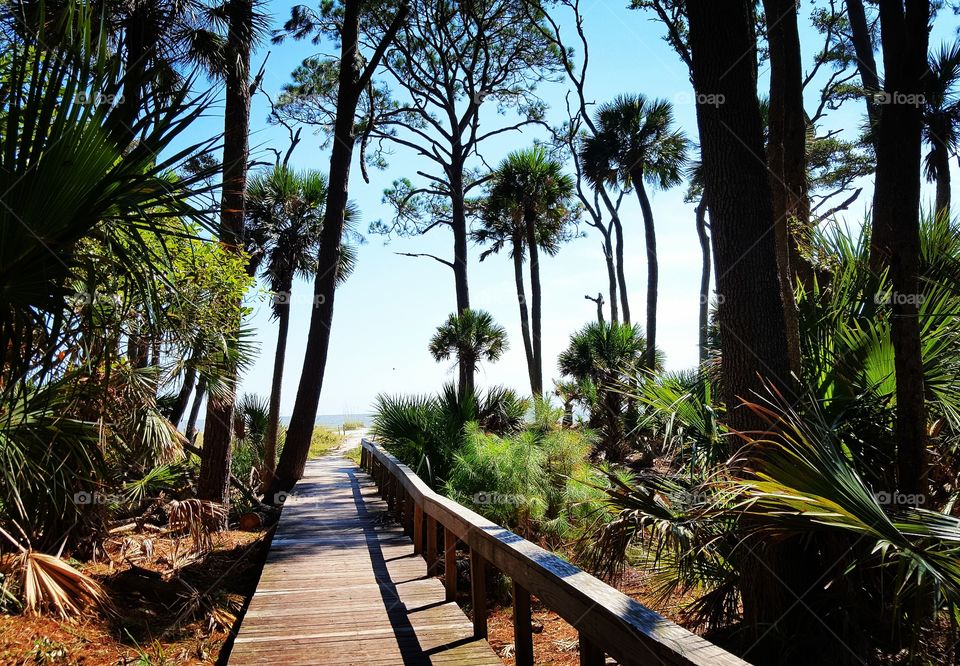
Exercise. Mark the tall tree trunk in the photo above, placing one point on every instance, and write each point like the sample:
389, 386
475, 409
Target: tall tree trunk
611, 277
866, 63
941, 158
460, 235
137, 47
653, 269
191, 430
896, 219
524, 314
276, 387
183, 397
703, 320
750, 310
213, 482
351, 82
616, 227
621, 277
536, 303
786, 158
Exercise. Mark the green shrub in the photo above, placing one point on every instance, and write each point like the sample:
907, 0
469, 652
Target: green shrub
353, 425
537, 481
425, 432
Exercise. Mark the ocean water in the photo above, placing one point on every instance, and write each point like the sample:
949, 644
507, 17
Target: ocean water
336, 420
327, 420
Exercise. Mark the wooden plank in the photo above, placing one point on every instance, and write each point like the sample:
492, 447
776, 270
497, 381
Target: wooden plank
342, 584
627, 630
522, 629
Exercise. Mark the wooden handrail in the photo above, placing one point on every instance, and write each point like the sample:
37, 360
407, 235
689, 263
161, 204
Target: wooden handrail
608, 621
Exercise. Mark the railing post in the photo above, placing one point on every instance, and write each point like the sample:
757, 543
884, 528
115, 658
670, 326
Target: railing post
417, 529
431, 546
590, 652
522, 630
478, 593
450, 563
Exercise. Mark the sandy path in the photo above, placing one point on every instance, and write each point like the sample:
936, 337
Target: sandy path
351, 439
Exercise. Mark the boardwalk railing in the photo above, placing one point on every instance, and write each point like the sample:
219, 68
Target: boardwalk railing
608, 621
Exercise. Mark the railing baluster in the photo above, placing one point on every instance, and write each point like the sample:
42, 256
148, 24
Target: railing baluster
478, 592
450, 563
431, 546
522, 630
418, 529
408, 513
590, 653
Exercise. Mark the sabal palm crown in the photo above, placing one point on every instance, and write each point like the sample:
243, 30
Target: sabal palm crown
471, 336
284, 218
635, 138
942, 117
528, 185
600, 350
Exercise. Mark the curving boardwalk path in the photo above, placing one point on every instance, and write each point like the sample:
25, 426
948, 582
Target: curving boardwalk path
343, 586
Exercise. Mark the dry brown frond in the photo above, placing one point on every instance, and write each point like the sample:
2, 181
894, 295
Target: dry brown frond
199, 518
50, 584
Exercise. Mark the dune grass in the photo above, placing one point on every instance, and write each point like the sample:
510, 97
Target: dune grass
323, 441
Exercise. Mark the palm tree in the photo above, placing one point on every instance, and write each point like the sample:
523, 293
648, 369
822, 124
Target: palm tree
285, 215
599, 358
941, 118
635, 143
529, 207
244, 28
470, 336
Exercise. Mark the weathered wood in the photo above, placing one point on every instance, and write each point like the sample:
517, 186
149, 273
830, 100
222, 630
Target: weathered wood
418, 529
407, 513
628, 631
450, 564
590, 654
431, 546
478, 593
341, 586
522, 629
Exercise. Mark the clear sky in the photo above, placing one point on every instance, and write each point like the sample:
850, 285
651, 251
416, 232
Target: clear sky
389, 308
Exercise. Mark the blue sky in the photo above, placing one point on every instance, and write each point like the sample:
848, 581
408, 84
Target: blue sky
389, 308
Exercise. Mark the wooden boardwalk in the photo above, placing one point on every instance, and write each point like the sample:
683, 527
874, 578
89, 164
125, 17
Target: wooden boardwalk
342, 585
